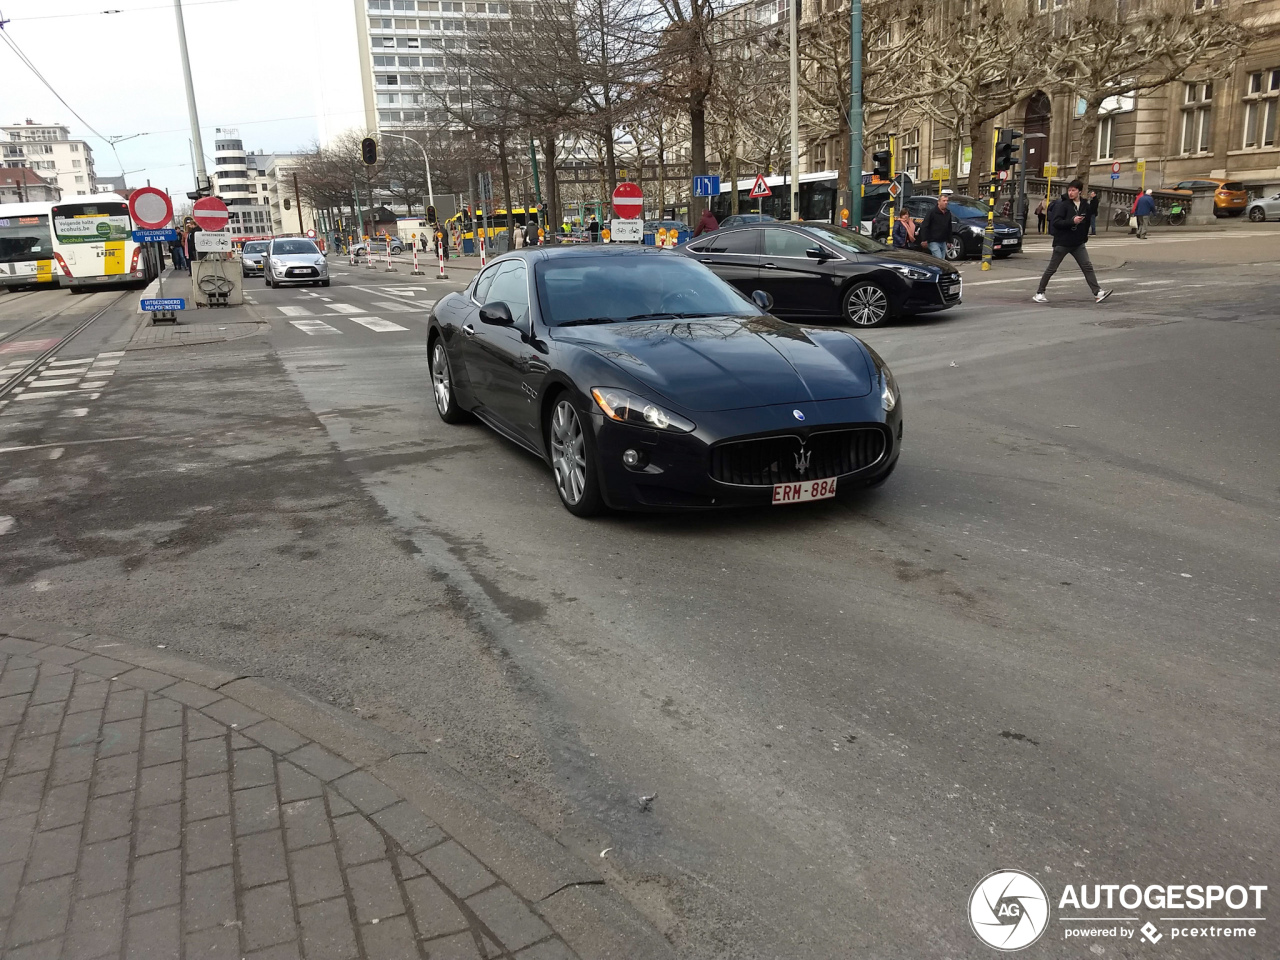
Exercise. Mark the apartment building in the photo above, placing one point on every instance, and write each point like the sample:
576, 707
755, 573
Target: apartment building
21, 185
47, 148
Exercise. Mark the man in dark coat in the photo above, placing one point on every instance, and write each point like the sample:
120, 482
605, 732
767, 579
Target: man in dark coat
935, 229
1069, 225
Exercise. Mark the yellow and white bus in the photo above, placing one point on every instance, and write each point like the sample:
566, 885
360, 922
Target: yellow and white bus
93, 244
26, 245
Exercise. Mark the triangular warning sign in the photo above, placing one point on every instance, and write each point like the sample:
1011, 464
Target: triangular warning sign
761, 189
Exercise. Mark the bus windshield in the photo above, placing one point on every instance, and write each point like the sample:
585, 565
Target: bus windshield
91, 222
25, 238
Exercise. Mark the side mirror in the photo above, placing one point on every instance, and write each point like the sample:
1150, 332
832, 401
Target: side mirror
497, 313
762, 299
816, 253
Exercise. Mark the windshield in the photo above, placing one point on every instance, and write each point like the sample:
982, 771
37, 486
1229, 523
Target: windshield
91, 222
965, 207
843, 239
25, 238
284, 247
258, 246
617, 288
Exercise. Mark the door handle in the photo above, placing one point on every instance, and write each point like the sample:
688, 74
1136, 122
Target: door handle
769, 266
469, 330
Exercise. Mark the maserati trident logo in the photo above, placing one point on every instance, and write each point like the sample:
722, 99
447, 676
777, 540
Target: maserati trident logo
797, 414
802, 460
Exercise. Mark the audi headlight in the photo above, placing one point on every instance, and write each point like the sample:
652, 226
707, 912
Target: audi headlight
888, 390
912, 273
623, 407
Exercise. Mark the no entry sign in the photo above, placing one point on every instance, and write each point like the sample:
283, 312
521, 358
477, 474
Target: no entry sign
150, 208
628, 201
210, 213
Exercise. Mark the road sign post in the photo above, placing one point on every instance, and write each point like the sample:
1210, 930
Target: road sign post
628, 201
210, 213
706, 186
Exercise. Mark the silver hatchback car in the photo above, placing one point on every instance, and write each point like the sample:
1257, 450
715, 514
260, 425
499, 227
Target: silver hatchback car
251, 257
295, 260
1266, 208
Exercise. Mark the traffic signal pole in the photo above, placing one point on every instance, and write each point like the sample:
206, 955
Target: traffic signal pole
988, 238
197, 145
855, 115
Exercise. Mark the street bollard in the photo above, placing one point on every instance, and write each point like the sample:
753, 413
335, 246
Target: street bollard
352, 250
416, 271
482, 257
440, 253
369, 262
390, 268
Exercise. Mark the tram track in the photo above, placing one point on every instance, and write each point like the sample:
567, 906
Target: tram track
15, 379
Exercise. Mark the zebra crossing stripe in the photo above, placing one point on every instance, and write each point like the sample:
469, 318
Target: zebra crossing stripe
344, 308
313, 327
378, 325
296, 311
394, 306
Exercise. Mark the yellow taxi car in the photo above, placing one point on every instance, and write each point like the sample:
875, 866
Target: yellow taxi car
1229, 196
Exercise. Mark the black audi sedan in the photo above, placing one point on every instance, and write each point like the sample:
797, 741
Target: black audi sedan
819, 271
647, 383
968, 226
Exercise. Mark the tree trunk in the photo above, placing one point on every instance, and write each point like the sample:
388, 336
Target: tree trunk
506, 191
979, 161
1088, 142
697, 148
555, 212
662, 171
733, 175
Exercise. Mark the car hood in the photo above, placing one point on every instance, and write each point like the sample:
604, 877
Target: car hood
916, 257
299, 259
727, 363
1004, 222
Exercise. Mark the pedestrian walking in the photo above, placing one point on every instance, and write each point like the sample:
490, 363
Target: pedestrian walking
1069, 224
593, 229
531, 232
706, 223
517, 237
1143, 209
189, 243
1041, 210
904, 231
176, 255
935, 229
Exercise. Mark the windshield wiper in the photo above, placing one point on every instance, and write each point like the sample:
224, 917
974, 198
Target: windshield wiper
583, 321
672, 316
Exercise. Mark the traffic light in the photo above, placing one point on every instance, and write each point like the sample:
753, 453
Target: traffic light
431, 214
286, 203
369, 151
1007, 149
880, 165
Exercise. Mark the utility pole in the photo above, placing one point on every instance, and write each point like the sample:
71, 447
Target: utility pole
202, 176
431, 192
537, 187
794, 17
855, 115
297, 201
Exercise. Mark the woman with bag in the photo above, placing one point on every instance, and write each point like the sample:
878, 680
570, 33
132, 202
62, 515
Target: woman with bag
904, 231
1042, 214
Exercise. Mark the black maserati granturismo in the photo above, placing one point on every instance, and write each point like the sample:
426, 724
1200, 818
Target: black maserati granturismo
648, 383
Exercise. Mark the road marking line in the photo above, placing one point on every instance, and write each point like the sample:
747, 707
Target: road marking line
1056, 279
56, 453
75, 412
347, 308
62, 382
378, 325
71, 363
394, 306
313, 327
93, 386
95, 372
106, 363
117, 353
290, 311
6, 524
40, 396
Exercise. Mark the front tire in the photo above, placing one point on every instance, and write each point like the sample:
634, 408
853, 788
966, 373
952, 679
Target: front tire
324, 282
573, 458
1257, 215
955, 250
866, 304
442, 384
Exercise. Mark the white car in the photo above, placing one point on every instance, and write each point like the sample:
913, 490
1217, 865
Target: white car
294, 260
1265, 209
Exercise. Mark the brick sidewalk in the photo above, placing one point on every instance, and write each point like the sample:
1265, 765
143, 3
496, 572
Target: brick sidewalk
146, 814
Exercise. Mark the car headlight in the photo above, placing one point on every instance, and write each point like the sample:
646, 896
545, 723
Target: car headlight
626, 407
912, 273
976, 231
889, 393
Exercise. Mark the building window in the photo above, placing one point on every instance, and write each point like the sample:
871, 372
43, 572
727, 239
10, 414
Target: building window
1197, 106
1106, 138
909, 152
1261, 104
75, 148
1205, 4
428, 6
406, 24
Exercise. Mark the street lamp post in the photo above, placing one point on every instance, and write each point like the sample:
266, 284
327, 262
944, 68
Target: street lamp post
431, 193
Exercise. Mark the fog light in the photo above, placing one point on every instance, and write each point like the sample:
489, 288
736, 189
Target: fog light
630, 457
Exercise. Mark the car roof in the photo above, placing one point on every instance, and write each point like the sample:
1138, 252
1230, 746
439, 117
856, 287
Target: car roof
585, 252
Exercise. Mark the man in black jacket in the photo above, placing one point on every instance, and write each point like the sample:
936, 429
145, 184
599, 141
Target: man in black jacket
1069, 225
935, 229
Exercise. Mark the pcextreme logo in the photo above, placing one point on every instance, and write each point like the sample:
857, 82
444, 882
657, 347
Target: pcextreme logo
1009, 910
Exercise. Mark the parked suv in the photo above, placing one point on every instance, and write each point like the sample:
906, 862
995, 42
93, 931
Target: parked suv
968, 226
1229, 196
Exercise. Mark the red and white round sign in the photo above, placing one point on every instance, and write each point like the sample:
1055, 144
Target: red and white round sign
210, 213
150, 208
311, 234
628, 201
1115, 166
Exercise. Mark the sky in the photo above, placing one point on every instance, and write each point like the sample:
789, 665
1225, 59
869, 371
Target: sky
284, 72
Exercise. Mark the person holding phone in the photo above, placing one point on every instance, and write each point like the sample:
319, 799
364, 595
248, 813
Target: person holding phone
1070, 229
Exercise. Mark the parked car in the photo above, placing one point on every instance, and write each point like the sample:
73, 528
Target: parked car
1229, 196
742, 219
1263, 209
968, 226
295, 260
251, 257
813, 270
647, 383
378, 247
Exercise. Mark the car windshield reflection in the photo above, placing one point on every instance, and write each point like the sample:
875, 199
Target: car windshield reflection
844, 239
585, 290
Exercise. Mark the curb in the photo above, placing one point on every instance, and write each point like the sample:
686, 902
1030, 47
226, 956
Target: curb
570, 896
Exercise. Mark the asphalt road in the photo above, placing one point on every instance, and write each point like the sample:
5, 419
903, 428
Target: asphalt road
1047, 643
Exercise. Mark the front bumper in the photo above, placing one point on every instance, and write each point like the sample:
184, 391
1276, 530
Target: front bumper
251, 269
930, 297
301, 274
675, 470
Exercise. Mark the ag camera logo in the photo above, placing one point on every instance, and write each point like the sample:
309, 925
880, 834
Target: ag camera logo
1009, 910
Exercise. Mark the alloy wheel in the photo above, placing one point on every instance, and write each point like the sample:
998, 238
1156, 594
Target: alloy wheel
568, 452
440, 378
868, 305
1256, 215
954, 250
